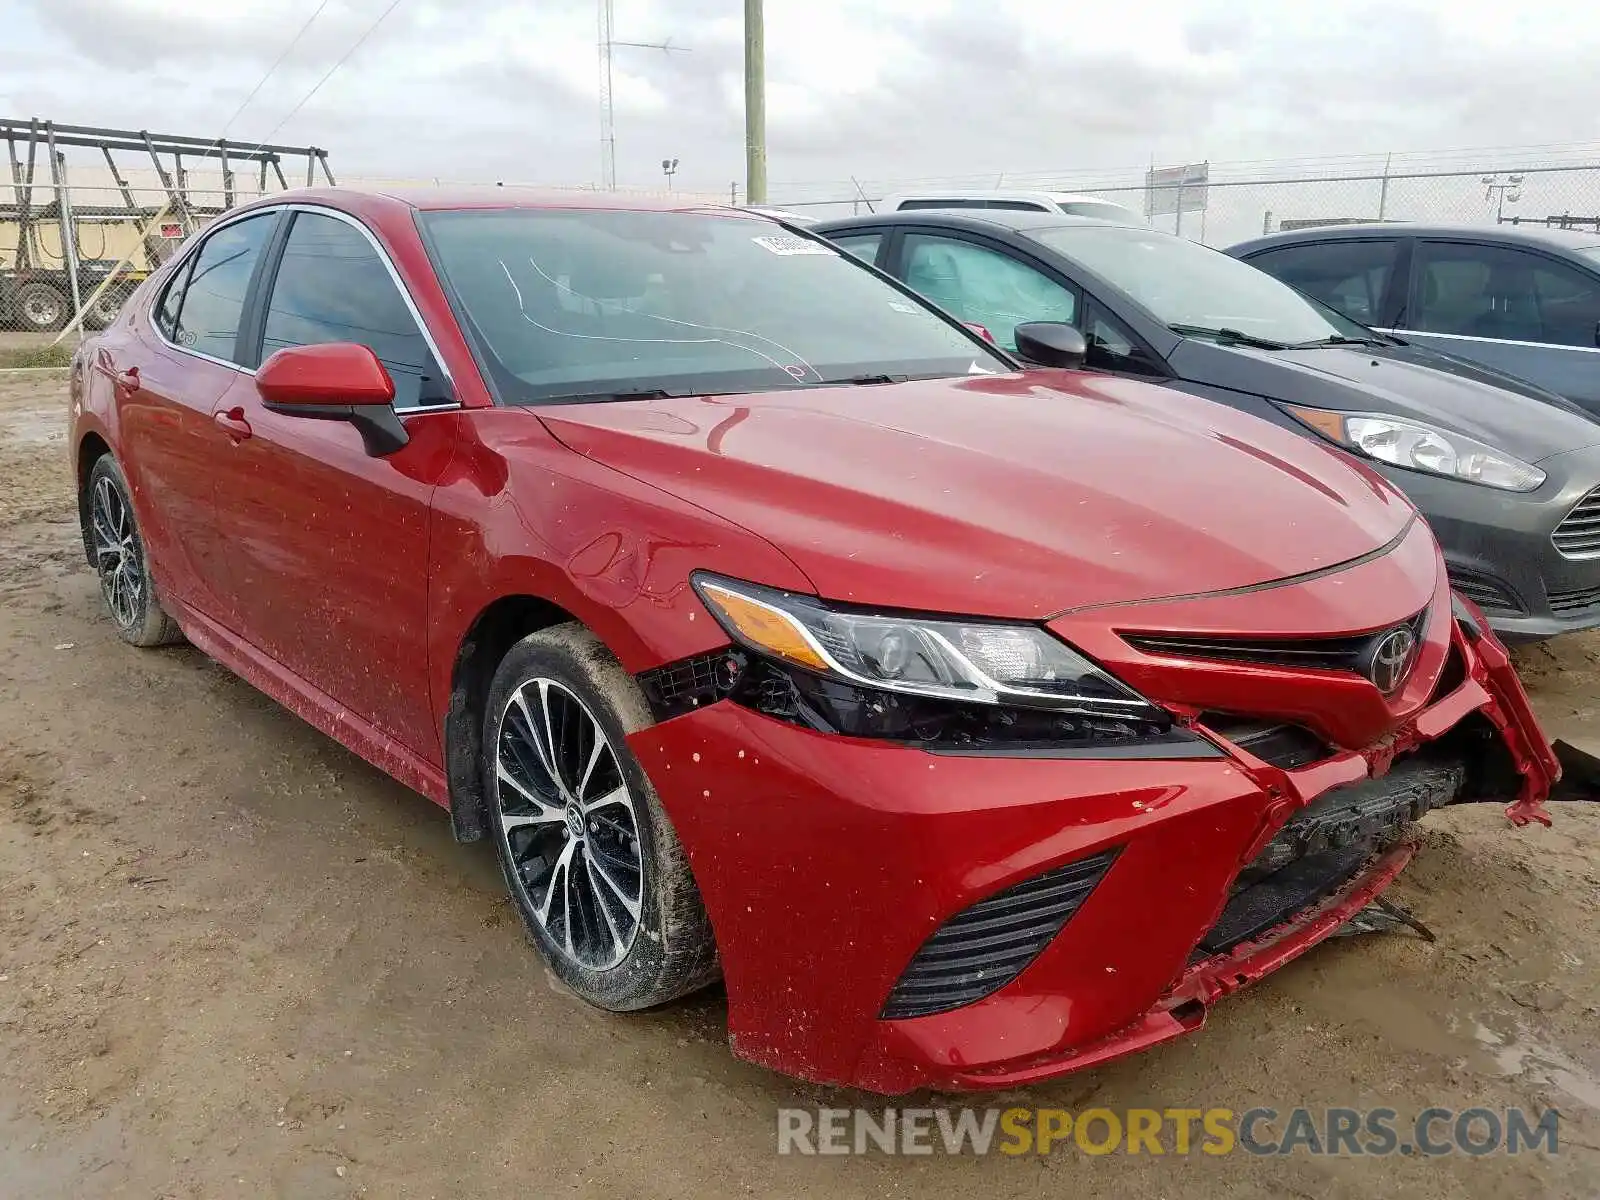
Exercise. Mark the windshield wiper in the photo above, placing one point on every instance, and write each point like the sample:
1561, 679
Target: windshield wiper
610, 397
1339, 339
1229, 337
861, 380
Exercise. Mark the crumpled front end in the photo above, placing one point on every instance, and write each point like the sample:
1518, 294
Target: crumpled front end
893, 918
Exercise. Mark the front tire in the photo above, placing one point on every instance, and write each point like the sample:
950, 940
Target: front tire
117, 554
591, 860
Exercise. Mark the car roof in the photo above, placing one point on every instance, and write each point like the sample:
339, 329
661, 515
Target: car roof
978, 220
1505, 234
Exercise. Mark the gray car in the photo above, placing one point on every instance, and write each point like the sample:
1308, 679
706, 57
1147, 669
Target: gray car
1521, 299
1507, 474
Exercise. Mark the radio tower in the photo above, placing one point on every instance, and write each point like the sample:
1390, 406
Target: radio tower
608, 116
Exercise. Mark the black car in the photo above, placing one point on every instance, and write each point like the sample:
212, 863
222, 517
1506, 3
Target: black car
1507, 474
1524, 300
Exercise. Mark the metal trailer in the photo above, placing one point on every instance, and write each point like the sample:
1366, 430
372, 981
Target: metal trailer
44, 291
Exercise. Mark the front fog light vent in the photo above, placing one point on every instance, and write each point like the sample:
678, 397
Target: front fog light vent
981, 949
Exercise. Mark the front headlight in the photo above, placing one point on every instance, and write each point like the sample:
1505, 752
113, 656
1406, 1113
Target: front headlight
1422, 447
960, 684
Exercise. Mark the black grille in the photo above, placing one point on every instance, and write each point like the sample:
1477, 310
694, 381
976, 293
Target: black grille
680, 686
1327, 654
1567, 603
1326, 843
1488, 594
1578, 535
980, 950
1270, 902
1282, 745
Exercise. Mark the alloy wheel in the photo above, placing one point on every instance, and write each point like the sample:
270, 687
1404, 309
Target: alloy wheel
117, 560
569, 825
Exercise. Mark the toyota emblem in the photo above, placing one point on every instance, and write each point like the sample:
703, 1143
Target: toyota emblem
1389, 660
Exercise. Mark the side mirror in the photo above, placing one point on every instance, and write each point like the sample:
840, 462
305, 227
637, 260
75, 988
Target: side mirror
1051, 344
337, 381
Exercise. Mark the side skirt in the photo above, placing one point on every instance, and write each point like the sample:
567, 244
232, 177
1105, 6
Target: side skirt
313, 706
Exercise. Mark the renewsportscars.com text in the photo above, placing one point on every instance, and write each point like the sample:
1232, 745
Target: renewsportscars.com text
1163, 1131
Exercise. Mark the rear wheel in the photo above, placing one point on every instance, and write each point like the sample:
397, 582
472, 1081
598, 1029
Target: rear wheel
40, 307
117, 554
591, 860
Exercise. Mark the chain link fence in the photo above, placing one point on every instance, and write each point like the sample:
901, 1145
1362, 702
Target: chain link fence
87, 213
1224, 210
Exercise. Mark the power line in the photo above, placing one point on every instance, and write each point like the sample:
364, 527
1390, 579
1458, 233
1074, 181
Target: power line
276, 63
343, 58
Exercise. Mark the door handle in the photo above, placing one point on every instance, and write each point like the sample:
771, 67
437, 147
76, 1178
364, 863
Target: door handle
233, 423
128, 381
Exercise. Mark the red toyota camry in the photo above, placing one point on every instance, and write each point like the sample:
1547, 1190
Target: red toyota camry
974, 723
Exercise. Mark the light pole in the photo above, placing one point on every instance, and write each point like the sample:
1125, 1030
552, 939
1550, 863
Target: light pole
669, 168
1493, 187
755, 103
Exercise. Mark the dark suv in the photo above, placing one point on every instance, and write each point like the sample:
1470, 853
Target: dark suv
1519, 299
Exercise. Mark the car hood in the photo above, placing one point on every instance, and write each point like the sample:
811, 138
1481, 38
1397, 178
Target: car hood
1009, 495
1400, 381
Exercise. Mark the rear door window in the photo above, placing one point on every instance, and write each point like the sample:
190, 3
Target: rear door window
1349, 277
206, 318
984, 286
1504, 293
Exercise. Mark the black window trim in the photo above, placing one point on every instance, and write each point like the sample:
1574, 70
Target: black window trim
252, 317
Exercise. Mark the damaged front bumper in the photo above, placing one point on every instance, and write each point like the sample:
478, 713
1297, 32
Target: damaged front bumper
828, 865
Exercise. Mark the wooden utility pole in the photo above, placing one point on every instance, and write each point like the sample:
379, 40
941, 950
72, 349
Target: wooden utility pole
755, 104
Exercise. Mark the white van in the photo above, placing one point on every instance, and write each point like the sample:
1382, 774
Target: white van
1056, 202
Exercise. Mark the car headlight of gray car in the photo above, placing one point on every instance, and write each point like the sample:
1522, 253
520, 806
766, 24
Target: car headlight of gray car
1420, 447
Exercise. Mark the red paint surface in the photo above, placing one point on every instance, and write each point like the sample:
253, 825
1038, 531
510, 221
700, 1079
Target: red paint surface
345, 584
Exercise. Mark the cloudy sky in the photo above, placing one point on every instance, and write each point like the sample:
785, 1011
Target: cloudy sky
878, 89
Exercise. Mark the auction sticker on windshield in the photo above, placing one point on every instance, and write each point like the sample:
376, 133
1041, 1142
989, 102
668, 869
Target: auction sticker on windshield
791, 245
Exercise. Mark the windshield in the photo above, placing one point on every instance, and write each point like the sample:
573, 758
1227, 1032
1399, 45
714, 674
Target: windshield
594, 302
1183, 283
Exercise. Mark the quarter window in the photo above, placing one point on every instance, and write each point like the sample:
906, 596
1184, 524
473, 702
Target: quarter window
984, 286
1349, 277
167, 313
205, 318
863, 245
1113, 348
332, 286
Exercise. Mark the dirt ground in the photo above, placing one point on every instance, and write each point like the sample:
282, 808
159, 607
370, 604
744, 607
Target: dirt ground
237, 961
